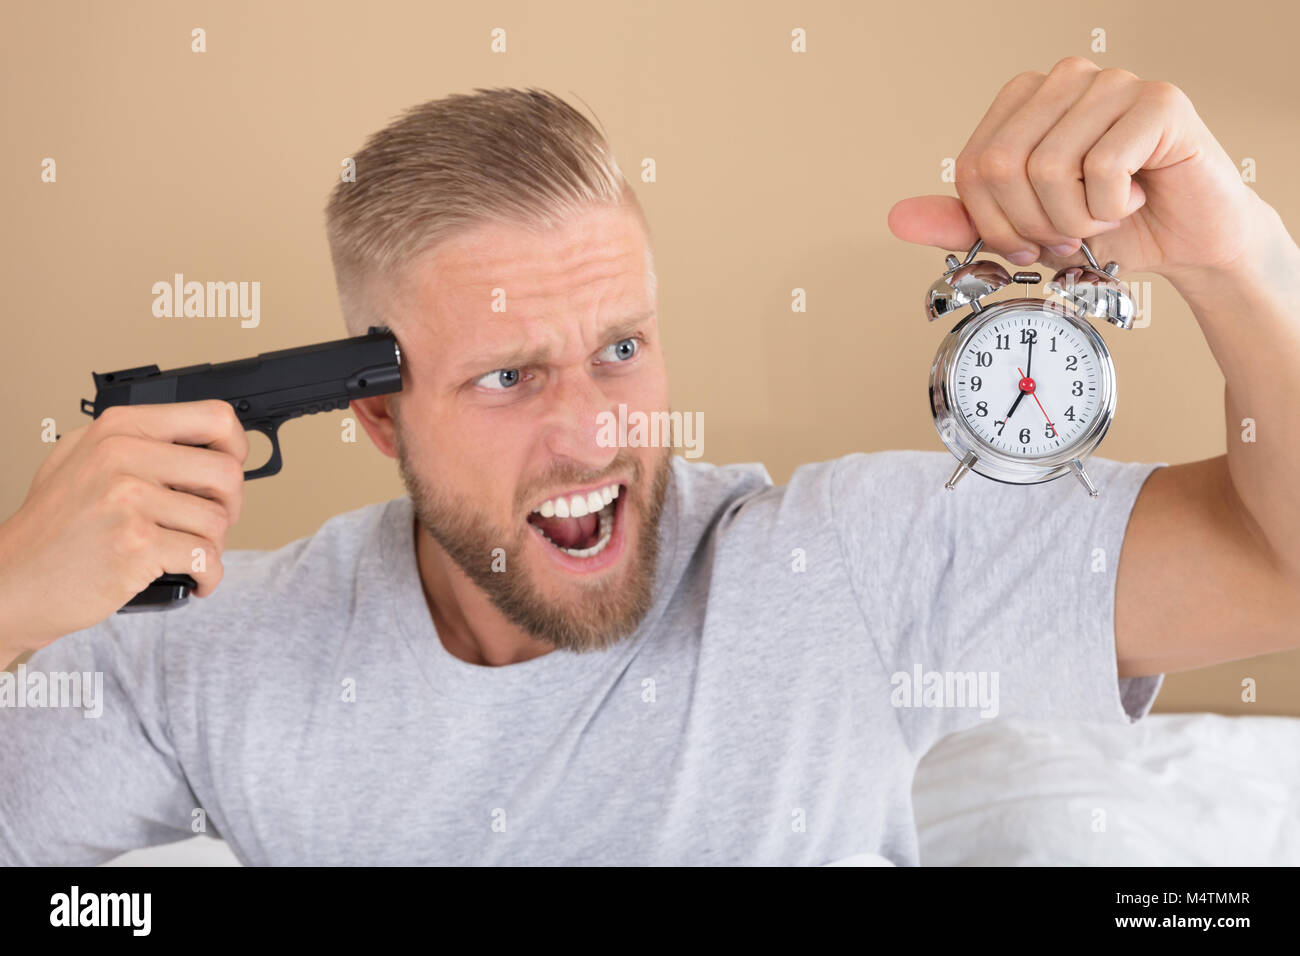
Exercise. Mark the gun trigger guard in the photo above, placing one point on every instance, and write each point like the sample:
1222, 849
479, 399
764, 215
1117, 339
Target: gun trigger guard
274, 463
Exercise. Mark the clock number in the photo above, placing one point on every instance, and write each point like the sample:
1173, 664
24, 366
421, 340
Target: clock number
1004, 342
1072, 363
1024, 436
1053, 348
976, 383
1078, 388
1049, 431
1069, 413
1001, 425
981, 409
984, 359
1028, 336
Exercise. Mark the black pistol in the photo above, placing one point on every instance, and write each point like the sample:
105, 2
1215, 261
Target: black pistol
266, 391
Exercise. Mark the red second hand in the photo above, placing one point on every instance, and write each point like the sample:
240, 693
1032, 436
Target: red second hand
1034, 393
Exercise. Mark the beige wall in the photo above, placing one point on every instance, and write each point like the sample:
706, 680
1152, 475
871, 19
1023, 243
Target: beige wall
775, 170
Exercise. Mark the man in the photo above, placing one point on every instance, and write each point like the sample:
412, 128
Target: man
557, 651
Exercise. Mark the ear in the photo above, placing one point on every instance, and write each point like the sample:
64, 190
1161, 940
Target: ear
376, 417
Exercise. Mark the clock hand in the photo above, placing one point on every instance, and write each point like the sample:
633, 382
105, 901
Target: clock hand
1014, 405
1029, 362
1026, 386
1044, 411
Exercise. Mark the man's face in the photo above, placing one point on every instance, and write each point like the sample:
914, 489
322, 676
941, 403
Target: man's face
513, 341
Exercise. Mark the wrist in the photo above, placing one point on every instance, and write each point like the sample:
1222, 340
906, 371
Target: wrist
14, 636
1267, 256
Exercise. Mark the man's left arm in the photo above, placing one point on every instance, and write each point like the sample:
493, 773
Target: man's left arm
1210, 568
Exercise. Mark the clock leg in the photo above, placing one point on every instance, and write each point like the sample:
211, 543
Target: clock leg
966, 465
1082, 475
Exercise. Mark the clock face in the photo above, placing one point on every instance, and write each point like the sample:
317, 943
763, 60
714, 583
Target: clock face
1028, 382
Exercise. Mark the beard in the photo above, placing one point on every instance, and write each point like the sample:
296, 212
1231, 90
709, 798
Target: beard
604, 610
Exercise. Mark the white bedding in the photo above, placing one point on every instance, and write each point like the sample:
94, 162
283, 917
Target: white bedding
1175, 790
1172, 790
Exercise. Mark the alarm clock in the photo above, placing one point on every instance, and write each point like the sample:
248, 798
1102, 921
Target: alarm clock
1023, 389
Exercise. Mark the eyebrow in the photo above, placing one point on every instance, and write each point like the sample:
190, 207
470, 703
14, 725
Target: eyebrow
524, 358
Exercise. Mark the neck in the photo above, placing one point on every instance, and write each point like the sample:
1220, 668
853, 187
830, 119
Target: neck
470, 626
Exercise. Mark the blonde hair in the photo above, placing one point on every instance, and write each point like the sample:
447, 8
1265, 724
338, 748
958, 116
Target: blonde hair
520, 156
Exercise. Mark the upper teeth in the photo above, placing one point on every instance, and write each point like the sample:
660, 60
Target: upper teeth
575, 506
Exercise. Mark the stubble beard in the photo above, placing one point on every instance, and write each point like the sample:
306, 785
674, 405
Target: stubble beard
606, 609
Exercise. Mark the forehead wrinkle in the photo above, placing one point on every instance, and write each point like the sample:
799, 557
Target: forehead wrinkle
538, 352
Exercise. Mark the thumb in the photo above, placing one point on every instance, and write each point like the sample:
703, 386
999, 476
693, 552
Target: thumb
932, 221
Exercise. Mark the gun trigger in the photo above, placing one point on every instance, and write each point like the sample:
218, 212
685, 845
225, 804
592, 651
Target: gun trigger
88, 407
273, 464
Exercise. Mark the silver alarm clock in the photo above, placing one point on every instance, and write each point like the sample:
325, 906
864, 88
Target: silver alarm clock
1023, 390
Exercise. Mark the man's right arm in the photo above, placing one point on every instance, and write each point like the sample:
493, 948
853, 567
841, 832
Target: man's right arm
116, 504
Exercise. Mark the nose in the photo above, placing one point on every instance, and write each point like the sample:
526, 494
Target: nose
571, 424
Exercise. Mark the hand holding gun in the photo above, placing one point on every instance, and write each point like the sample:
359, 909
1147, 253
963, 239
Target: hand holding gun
265, 391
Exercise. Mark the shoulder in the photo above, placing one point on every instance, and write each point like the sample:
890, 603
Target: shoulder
334, 549
301, 591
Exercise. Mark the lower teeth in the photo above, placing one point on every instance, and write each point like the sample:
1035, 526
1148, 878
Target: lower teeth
605, 531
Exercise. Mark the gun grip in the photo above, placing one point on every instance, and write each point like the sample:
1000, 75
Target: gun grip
173, 590
274, 463
167, 591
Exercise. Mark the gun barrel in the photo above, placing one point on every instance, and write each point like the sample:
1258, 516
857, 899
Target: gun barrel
270, 387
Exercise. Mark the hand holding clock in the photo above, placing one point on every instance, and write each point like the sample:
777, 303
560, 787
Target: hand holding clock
1081, 152
1210, 567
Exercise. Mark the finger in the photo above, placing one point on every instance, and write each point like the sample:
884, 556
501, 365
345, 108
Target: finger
211, 423
995, 228
197, 471
182, 553
989, 220
1004, 160
1056, 167
179, 511
932, 221
1148, 136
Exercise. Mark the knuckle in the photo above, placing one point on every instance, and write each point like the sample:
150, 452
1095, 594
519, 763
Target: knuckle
220, 409
216, 522
114, 451
1116, 76
112, 421
232, 475
1075, 64
1051, 166
134, 539
1001, 164
1101, 164
1028, 80
111, 417
1163, 93
967, 169
125, 492
219, 416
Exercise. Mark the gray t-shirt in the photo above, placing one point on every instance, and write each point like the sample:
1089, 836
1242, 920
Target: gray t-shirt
806, 646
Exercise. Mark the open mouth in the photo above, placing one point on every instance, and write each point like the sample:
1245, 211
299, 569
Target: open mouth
580, 525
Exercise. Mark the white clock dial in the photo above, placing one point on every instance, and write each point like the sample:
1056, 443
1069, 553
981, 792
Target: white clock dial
1028, 383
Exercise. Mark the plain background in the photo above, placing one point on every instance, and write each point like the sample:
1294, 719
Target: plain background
774, 171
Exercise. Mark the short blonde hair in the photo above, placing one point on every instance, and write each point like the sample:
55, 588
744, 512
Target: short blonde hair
521, 156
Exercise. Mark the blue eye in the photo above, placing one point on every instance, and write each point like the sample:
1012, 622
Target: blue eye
500, 380
621, 350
